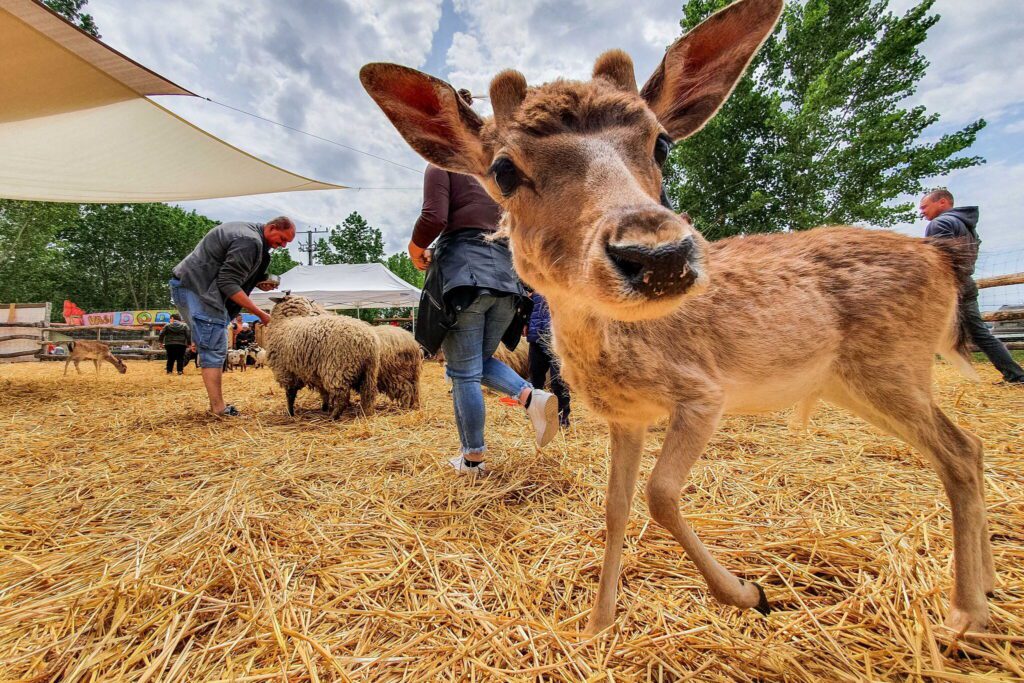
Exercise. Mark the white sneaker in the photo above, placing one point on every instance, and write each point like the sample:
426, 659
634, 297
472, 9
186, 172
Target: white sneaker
457, 463
543, 412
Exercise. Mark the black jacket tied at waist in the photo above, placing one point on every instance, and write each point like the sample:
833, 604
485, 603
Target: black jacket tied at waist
464, 262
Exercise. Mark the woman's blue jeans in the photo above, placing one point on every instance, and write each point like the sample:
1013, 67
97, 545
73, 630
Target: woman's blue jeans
468, 349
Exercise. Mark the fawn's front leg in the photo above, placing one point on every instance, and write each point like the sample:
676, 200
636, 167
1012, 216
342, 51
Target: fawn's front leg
689, 430
627, 444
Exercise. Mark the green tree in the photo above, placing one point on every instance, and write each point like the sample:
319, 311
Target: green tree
281, 261
354, 241
120, 256
401, 265
72, 11
31, 258
818, 130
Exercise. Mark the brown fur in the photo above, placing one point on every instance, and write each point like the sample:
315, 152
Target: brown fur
400, 364
94, 351
851, 316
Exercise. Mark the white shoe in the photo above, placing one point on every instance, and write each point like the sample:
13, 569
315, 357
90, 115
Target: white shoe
543, 412
457, 463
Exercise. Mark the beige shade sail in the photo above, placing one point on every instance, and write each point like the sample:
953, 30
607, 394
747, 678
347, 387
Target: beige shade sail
75, 125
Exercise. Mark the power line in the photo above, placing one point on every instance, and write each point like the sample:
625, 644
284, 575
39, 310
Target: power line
318, 137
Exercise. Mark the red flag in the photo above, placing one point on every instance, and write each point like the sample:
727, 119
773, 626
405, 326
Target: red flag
73, 315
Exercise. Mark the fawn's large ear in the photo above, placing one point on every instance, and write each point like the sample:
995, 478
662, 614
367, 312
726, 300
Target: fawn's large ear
430, 115
700, 69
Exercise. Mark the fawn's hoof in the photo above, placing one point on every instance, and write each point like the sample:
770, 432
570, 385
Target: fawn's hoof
964, 621
762, 606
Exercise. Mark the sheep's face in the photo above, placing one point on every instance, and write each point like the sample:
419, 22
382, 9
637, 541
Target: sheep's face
294, 307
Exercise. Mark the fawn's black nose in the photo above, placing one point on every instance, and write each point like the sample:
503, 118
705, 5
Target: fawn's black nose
662, 270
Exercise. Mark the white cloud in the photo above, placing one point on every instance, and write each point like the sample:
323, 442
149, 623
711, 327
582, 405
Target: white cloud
298, 62
976, 59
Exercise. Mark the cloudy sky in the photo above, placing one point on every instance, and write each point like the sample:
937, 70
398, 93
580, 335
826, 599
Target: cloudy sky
297, 63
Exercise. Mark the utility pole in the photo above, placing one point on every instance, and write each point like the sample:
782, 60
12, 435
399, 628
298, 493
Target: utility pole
308, 248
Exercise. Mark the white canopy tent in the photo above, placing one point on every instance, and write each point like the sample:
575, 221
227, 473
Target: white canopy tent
76, 125
344, 286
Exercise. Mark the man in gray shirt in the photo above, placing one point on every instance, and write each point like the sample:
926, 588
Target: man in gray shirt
212, 284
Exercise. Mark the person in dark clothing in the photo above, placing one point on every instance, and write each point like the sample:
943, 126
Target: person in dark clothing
472, 300
542, 358
948, 222
175, 337
212, 284
245, 337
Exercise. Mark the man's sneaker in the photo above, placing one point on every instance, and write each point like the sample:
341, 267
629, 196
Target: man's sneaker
458, 464
543, 412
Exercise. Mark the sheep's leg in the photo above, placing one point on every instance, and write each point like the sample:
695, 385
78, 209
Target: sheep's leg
341, 401
626, 448
290, 393
368, 397
689, 430
325, 401
66, 364
77, 369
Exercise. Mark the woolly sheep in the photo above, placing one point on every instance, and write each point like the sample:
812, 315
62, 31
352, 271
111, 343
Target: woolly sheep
236, 359
400, 364
308, 347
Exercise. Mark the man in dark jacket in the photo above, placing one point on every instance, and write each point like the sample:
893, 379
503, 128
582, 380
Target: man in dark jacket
212, 284
949, 222
176, 337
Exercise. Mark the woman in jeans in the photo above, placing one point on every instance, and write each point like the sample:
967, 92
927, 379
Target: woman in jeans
472, 300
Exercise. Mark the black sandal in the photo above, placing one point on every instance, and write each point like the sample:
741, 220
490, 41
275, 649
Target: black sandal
229, 411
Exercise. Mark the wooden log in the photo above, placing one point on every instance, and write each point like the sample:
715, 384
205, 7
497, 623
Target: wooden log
18, 354
1011, 345
1001, 280
111, 343
1002, 316
42, 324
11, 337
126, 328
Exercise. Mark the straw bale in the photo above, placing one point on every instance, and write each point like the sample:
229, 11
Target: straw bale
141, 539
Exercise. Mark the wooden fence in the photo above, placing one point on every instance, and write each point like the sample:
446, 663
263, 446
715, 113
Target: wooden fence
1014, 339
28, 330
20, 330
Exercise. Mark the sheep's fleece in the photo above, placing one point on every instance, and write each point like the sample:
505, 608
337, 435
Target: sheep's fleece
309, 347
400, 363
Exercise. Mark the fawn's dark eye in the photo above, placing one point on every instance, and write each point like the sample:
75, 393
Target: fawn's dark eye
662, 146
506, 175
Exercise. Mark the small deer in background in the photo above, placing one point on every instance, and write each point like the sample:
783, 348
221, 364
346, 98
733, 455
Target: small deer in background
651, 321
94, 351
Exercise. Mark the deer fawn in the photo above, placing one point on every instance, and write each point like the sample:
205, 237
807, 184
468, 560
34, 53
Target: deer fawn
652, 321
94, 351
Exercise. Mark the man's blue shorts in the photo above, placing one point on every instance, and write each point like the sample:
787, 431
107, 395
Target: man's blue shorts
209, 327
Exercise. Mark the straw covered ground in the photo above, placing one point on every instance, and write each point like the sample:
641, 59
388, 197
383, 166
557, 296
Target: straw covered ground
142, 540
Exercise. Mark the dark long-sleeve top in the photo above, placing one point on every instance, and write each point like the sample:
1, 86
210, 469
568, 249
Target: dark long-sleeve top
452, 202
960, 222
231, 258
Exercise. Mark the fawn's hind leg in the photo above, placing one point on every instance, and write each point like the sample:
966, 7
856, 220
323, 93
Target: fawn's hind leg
905, 409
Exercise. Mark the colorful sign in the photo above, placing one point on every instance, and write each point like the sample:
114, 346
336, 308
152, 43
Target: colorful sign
125, 318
